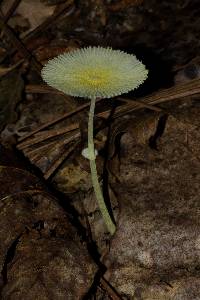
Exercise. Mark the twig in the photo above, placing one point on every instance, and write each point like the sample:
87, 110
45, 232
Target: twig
141, 104
49, 21
62, 8
110, 290
42, 89
11, 10
52, 144
18, 44
47, 135
66, 115
59, 161
174, 93
165, 95
4, 71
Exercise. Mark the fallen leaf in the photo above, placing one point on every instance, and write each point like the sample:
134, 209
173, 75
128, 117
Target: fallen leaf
41, 253
34, 11
158, 230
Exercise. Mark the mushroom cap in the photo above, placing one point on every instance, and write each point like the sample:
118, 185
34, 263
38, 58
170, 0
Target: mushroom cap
94, 72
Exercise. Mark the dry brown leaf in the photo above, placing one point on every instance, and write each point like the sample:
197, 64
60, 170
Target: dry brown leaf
45, 52
52, 268
158, 229
40, 253
35, 11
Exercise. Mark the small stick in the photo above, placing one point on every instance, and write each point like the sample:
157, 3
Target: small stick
110, 290
18, 44
141, 104
59, 161
66, 115
174, 93
47, 135
11, 10
62, 8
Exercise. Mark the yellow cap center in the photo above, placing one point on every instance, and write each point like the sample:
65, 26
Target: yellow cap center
94, 78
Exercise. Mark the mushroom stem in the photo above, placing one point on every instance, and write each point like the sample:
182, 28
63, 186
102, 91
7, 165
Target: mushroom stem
97, 189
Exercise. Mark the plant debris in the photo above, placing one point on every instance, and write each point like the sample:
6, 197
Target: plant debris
53, 242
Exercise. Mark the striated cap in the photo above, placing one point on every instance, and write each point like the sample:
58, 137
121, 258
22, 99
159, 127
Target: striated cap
94, 72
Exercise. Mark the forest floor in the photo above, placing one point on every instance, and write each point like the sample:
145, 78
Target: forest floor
53, 241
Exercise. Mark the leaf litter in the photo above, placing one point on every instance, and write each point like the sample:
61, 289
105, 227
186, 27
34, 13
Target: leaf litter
40, 250
148, 157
